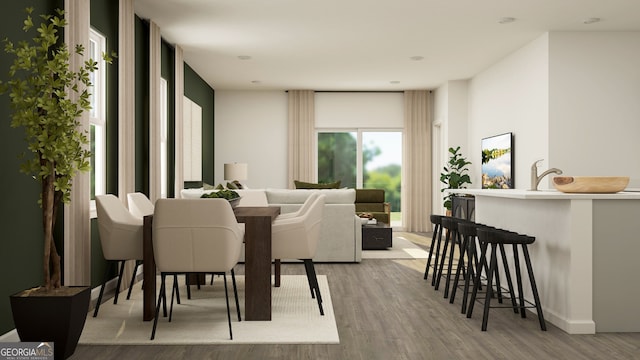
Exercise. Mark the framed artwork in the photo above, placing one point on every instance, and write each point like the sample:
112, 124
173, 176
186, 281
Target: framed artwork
497, 162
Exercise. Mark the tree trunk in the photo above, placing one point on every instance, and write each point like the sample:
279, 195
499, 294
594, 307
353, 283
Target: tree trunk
51, 259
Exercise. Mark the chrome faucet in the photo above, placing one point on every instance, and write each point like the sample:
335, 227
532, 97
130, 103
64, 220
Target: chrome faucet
535, 179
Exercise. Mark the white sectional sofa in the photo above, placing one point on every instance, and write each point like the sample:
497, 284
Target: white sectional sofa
341, 231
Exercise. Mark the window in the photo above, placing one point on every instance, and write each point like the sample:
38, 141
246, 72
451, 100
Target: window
363, 159
97, 114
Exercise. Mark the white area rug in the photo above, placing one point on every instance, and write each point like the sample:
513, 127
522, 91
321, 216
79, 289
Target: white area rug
295, 317
401, 249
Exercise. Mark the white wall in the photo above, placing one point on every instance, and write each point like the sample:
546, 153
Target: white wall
251, 127
335, 110
450, 121
594, 103
513, 96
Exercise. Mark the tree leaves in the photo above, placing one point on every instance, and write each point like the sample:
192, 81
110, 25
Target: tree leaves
455, 174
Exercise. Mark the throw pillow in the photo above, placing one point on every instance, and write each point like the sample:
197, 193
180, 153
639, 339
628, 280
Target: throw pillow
307, 185
232, 186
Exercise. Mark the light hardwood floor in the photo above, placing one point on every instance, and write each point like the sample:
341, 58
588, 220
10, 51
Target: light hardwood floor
385, 310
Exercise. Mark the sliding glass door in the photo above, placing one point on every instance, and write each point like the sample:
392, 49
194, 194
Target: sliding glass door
370, 159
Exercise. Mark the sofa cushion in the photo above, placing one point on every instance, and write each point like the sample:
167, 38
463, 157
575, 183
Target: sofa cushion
369, 195
333, 196
308, 185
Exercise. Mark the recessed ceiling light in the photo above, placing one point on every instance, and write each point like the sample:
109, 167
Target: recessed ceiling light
255, 81
394, 82
506, 20
590, 20
416, 58
244, 57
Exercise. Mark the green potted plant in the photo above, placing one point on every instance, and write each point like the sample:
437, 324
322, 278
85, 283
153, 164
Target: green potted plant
455, 175
46, 99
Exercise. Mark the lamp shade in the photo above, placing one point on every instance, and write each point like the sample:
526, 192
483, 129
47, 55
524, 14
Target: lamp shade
235, 171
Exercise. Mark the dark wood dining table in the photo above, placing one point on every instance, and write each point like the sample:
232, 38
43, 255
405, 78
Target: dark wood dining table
257, 272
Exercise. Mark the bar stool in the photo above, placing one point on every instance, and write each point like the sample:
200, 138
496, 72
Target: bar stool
451, 239
435, 242
497, 238
468, 233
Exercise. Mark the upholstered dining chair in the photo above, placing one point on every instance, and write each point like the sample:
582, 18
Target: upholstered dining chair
277, 263
120, 236
297, 238
196, 236
139, 204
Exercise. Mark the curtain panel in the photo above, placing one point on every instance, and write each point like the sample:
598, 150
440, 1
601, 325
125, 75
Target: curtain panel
416, 168
77, 227
301, 142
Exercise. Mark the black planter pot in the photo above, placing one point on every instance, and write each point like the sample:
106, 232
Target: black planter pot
52, 318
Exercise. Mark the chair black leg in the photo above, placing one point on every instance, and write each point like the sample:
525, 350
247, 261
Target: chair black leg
155, 320
314, 279
176, 288
437, 258
534, 288
309, 280
173, 291
106, 274
115, 298
509, 282
516, 261
226, 297
454, 237
447, 239
186, 280
133, 279
460, 268
235, 292
487, 300
436, 229
476, 281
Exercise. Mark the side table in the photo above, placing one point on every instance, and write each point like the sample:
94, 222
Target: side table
376, 236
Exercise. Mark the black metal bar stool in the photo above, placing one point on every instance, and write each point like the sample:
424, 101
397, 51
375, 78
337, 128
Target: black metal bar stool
497, 239
436, 220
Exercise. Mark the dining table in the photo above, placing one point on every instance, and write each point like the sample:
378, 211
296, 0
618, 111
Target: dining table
257, 269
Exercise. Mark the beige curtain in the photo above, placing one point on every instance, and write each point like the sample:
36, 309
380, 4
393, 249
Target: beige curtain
77, 227
154, 111
301, 125
126, 100
416, 167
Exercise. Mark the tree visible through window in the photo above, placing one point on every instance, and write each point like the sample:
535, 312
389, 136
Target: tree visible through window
363, 159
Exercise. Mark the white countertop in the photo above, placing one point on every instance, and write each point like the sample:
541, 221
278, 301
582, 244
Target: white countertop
545, 194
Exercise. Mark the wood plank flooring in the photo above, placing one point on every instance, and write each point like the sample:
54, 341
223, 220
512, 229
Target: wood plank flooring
385, 310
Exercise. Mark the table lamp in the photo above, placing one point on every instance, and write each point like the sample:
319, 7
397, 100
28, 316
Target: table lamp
235, 171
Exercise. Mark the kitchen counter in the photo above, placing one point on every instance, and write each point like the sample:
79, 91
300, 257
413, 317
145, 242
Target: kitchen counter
585, 257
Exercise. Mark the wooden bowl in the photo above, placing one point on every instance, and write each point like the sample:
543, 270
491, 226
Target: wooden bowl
591, 184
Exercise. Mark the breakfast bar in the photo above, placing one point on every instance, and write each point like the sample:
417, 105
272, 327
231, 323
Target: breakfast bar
585, 256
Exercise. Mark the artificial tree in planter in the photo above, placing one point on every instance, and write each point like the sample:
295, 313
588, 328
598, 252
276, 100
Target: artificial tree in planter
455, 175
40, 86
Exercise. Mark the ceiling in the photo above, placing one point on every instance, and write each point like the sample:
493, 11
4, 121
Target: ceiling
364, 45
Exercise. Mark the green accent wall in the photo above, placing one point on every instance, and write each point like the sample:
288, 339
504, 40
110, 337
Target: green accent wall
21, 238
202, 94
